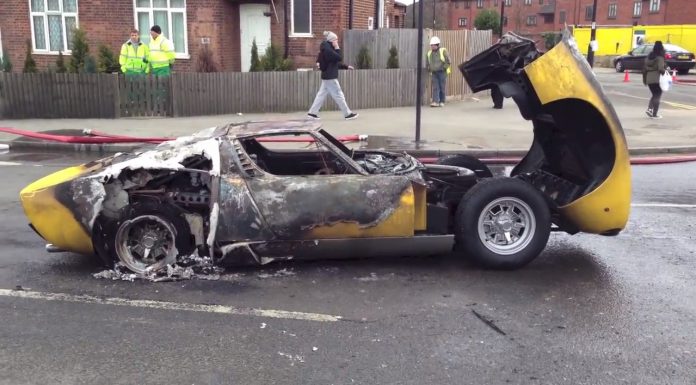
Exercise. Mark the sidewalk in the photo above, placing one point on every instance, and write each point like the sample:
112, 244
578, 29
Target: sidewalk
469, 125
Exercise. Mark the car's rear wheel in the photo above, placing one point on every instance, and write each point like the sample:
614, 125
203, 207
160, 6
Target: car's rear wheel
144, 239
619, 66
467, 161
502, 223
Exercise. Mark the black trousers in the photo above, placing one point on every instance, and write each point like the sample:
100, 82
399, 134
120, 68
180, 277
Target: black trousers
654, 104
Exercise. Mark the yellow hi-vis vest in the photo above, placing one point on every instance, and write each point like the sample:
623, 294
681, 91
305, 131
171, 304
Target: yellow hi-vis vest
442, 58
161, 52
131, 59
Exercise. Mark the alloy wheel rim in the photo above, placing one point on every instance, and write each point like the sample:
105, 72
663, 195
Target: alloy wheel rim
506, 225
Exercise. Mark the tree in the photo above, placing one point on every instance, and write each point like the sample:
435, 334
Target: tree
393, 61
364, 60
255, 62
206, 61
551, 39
60, 64
29, 62
80, 51
488, 19
6, 62
107, 62
273, 60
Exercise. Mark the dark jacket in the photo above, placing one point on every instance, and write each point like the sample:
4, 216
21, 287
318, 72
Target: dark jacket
330, 60
653, 68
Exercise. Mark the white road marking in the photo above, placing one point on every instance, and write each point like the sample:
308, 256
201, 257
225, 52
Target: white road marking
9, 164
194, 307
667, 205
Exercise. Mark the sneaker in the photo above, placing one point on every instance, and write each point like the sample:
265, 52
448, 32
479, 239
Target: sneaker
649, 113
656, 117
313, 116
352, 116
442, 104
434, 104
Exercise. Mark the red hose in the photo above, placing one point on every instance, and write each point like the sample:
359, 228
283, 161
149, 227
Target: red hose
644, 160
97, 137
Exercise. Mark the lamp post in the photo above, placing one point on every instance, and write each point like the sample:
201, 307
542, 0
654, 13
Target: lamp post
502, 16
593, 35
419, 73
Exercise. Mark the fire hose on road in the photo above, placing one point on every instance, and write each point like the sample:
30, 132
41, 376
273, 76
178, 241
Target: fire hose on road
97, 137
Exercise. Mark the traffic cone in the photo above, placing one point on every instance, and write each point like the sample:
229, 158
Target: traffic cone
626, 77
674, 76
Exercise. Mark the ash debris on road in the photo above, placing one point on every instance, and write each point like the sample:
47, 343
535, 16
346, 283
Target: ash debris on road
191, 267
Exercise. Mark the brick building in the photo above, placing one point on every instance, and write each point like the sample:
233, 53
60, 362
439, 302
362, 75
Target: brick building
534, 17
226, 27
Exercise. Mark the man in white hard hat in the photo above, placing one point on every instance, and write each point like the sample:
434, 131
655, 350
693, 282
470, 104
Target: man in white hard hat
438, 64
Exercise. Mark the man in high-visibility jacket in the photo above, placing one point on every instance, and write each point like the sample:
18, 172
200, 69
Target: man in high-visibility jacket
134, 56
438, 64
161, 52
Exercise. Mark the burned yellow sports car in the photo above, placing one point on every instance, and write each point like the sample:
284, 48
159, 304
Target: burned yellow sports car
227, 194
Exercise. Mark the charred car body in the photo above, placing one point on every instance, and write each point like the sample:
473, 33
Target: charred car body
225, 193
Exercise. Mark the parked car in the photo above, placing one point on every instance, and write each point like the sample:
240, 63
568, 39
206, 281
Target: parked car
676, 58
230, 194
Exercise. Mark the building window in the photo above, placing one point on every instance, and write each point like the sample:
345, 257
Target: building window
562, 17
541, 2
527, 2
467, 4
637, 8
170, 15
495, 3
301, 17
52, 24
508, 3
588, 13
505, 20
462, 22
654, 5
548, 18
479, 3
612, 10
531, 20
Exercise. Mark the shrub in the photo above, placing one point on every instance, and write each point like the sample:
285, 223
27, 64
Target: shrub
107, 62
364, 60
60, 64
29, 62
80, 52
6, 63
255, 62
273, 60
488, 19
90, 65
551, 39
206, 61
393, 61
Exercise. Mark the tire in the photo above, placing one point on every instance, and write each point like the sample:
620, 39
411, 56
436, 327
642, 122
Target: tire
683, 71
466, 161
619, 66
167, 229
477, 207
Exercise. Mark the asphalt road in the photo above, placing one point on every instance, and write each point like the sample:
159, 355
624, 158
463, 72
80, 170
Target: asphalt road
680, 95
590, 310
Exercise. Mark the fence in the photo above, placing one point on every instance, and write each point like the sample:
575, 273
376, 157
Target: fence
461, 45
190, 94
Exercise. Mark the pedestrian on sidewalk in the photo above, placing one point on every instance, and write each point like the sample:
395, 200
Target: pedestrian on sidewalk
497, 97
438, 63
653, 68
134, 56
329, 61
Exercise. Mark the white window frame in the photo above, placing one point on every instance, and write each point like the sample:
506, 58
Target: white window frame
654, 6
613, 10
167, 34
508, 3
479, 3
292, 21
527, 2
638, 8
463, 22
531, 20
47, 36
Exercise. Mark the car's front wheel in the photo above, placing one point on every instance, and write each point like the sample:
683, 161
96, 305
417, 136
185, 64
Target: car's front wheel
145, 239
502, 223
619, 66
